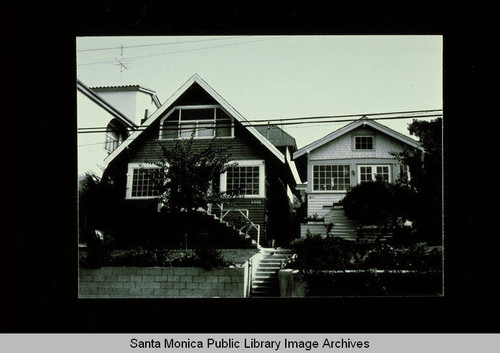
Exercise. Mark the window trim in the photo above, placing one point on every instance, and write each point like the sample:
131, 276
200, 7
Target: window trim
328, 191
363, 149
374, 167
195, 121
130, 177
248, 163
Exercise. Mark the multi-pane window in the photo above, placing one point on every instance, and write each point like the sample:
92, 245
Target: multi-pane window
246, 179
374, 172
363, 142
331, 177
199, 122
144, 181
243, 180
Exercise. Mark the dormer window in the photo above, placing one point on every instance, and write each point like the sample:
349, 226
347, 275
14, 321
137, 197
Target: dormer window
363, 142
201, 122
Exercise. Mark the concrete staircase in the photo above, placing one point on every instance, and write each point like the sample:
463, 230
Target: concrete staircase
265, 272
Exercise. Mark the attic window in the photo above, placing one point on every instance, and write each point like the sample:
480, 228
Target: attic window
201, 122
363, 142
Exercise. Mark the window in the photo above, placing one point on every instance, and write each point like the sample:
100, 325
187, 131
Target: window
331, 177
113, 138
144, 181
246, 179
197, 121
404, 172
373, 172
363, 142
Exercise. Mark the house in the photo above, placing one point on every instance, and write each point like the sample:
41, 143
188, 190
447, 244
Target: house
105, 118
134, 101
263, 173
101, 128
355, 153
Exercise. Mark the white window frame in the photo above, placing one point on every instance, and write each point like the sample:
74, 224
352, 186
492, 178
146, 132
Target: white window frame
130, 176
248, 163
180, 108
364, 149
329, 191
374, 171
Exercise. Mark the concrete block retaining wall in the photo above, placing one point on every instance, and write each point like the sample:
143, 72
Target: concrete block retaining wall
162, 282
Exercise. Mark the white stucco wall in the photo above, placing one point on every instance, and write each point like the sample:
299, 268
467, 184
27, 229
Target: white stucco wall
143, 102
124, 101
132, 104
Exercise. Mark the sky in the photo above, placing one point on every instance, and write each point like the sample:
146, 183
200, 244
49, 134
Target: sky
279, 77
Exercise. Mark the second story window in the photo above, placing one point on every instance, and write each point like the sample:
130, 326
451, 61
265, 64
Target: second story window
114, 137
197, 121
363, 142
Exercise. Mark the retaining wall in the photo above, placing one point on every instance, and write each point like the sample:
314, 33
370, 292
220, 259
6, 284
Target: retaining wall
163, 282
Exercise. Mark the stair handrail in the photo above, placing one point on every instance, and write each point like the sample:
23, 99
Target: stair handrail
245, 213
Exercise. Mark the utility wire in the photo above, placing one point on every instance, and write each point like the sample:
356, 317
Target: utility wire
263, 123
179, 51
427, 111
158, 44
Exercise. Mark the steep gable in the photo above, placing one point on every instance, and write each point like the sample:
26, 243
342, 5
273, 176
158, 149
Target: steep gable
195, 90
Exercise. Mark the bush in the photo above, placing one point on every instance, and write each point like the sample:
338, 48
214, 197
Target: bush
207, 258
372, 283
142, 258
332, 253
415, 257
97, 250
371, 202
314, 252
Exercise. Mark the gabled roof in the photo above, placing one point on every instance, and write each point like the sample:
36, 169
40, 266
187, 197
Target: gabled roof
128, 88
277, 136
364, 121
104, 104
158, 113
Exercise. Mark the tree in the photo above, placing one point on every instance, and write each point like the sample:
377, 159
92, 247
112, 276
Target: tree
190, 176
372, 202
426, 176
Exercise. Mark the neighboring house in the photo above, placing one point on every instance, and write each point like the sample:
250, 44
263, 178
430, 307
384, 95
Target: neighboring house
263, 173
101, 129
355, 153
135, 102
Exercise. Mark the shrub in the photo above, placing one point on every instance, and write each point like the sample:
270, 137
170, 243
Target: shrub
332, 253
314, 252
142, 258
97, 250
372, 202
414, 257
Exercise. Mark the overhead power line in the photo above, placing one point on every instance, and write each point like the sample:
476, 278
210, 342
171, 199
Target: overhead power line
180, 51
158, 44
265, 123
